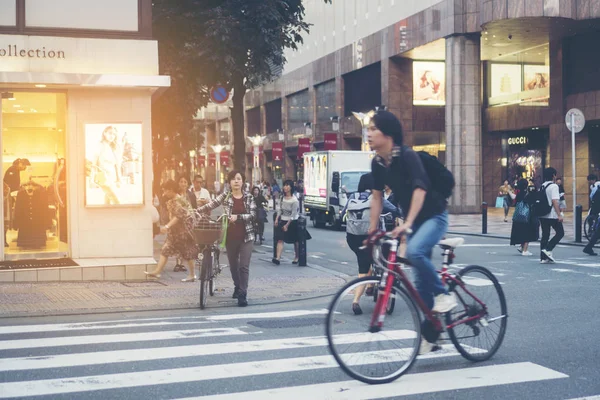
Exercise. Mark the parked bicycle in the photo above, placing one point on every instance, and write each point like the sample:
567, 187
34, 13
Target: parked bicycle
591, 223
208, 234
379, 347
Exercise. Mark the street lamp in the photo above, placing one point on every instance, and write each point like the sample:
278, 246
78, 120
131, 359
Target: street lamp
218, 148
364, 121
256, 143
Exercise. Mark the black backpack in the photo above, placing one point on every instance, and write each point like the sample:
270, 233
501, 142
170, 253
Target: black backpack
540, 206
442, 180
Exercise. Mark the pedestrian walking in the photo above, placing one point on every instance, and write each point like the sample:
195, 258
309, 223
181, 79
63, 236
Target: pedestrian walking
240, 208
187, 194
180, 241
506, 192
525, 227
594, 210
261, 213
552, 220
286, 223
357, 214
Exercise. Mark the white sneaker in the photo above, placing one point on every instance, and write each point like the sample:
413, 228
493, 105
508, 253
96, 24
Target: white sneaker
426, 347
527, 253
544, 261
444, 303
548, 254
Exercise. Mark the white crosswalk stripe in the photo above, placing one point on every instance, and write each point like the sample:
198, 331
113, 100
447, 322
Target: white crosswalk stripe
31, 365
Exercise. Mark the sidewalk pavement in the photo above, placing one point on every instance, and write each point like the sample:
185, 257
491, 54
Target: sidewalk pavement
268, 284
470, 224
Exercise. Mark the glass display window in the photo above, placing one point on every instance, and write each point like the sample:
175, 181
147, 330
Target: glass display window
34, 168
429, 83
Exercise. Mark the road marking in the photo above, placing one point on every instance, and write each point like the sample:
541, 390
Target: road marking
561, 270
86, 326
162, 353
588, 398
410, 384
47, 387
118, 338
276, 314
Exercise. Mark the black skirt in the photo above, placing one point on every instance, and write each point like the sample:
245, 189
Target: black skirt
290, 236
524, 232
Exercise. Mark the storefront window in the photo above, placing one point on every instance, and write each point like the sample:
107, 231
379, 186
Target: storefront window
525, 155
521, 78
34, 169
433, 143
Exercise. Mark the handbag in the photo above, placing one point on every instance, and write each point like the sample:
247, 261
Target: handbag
522, 213
500, 202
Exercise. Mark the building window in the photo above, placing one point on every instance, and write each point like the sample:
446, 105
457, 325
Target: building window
524, 81
325, 94
298, 109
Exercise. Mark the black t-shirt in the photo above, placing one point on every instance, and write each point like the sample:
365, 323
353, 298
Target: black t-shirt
405, 174
12, 178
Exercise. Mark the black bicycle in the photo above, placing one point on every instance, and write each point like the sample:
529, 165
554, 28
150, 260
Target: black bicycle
208, 234
590, 225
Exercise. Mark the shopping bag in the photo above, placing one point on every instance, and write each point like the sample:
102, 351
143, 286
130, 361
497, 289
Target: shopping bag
500, 202
522, 213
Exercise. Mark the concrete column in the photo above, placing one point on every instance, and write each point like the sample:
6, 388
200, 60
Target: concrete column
339, 96
397, 92
263, 121
463, 121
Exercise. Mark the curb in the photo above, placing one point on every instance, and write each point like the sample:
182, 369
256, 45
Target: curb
491, 236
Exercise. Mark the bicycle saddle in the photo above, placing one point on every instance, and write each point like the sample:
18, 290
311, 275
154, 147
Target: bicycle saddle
452, 242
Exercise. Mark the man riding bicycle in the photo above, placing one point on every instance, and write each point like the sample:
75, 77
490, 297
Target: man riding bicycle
426, 218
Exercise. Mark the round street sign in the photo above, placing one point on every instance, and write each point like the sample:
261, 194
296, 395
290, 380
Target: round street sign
219, 94
578, 118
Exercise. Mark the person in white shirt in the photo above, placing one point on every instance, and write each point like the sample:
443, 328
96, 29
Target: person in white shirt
594, 185
202, 195
553, 219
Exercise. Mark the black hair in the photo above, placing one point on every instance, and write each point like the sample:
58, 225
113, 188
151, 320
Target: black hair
290, 183
522, 184
592, 177
232, 174
198, 177
180, 177
389, 125
170, 185
366, 182
549, 174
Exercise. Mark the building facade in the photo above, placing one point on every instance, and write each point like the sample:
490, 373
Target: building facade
484, 85
77, 80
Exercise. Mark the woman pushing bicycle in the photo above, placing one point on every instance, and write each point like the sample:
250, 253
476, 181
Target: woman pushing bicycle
240, 208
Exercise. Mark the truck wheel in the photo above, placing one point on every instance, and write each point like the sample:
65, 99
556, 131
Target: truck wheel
317, 224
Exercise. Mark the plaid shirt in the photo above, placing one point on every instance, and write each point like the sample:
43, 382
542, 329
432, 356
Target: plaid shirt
226, 200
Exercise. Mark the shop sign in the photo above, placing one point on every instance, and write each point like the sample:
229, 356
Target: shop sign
303, 147
13, 50
212, 160
330, 141
224, 158
517, 140
278, 152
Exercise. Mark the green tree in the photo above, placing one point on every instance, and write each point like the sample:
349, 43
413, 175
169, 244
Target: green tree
229, 42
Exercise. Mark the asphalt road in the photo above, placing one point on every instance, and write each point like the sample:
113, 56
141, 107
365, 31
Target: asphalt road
550, 350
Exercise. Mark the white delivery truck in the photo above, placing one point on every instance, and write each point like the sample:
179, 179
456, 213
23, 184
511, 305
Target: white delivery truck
329, 178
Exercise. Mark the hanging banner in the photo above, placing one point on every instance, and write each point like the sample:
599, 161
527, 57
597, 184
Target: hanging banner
212, 160
201, 161
278, 152
330, 141
303, 147
225, 158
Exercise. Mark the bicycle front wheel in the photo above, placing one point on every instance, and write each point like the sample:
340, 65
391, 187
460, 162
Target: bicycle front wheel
477, 339
205, 279
373, 357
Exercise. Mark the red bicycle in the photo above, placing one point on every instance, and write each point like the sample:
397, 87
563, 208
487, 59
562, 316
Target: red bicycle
379, 346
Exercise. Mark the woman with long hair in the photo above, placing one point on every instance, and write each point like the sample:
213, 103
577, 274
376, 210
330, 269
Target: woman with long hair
240, 208
286, 223
180, 240
106, 170
522, 233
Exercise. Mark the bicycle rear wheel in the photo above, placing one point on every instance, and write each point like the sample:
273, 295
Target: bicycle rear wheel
379, 357
205, 279
588, 226
479, 339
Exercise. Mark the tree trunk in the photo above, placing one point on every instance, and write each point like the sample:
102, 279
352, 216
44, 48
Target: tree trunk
237, 122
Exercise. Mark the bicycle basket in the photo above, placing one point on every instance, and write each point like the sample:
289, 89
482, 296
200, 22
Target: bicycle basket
207, 232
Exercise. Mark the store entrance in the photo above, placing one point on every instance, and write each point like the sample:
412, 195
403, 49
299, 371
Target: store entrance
526, 155
33, 158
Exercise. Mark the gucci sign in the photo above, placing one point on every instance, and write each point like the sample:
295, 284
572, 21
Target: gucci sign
518, 140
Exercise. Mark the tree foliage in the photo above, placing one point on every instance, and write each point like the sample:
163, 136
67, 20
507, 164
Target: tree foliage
230, 42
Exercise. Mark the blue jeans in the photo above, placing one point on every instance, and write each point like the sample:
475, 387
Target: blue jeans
418, 252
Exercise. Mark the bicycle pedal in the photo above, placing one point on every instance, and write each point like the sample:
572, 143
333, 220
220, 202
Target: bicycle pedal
484, 322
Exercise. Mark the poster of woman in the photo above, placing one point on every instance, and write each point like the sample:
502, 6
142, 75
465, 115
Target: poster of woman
113, 165
429, 86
